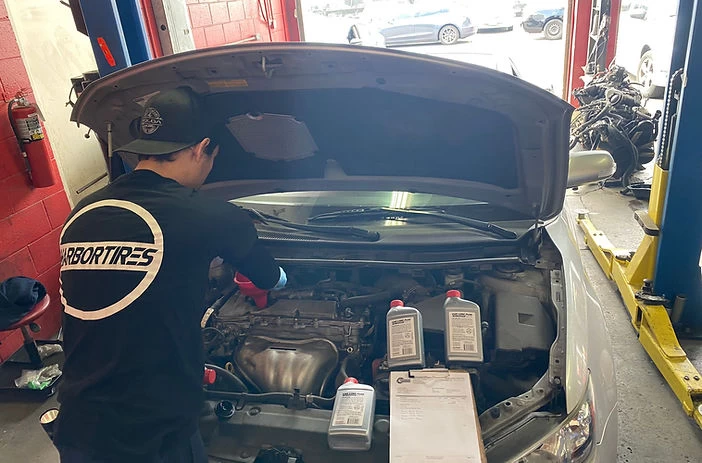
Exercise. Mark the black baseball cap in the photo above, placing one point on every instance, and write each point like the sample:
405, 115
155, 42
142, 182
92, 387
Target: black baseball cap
172, 120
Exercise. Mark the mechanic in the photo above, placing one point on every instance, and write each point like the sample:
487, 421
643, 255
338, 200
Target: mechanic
134, 272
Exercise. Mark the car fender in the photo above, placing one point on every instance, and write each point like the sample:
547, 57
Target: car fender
449, 23
588, 348
560, 18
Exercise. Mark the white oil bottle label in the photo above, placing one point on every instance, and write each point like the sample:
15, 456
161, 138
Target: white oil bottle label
350, 409
463, 330
402, 337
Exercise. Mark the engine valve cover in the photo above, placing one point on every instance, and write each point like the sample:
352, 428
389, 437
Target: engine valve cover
277, 365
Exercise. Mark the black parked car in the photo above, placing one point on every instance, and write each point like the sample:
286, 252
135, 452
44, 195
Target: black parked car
548, 21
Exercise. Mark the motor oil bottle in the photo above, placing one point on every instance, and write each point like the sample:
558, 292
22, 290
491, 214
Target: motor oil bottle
405, 336
464, 338
351, 425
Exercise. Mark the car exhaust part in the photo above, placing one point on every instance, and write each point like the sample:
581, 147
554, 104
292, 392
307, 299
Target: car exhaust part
274, 365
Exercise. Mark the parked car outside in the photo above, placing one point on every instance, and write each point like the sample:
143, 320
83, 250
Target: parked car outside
491, 16
377, 174
362, 34
639, 8
425, 21
645, 47
547, 21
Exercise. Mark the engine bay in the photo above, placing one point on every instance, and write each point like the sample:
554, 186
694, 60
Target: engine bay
279, 363
329, 324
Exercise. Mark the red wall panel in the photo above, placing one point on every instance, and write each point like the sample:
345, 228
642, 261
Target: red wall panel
45, 251
10, 162
8, 48
19, 263
199, 15
219, 12
218, 22
57, 209
14, 75
21, 229
30, 218
214, 34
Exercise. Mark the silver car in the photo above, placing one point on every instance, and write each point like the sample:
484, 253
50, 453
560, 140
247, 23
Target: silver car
421, 22
374, 175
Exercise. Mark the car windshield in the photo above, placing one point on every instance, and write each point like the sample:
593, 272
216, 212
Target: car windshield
300, 206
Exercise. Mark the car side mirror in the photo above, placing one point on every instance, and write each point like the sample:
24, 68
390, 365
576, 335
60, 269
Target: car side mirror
589, 166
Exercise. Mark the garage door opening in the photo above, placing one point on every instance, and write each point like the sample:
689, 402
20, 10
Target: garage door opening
519, 37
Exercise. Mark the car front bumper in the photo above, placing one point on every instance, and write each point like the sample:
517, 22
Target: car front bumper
533, 26
606, 449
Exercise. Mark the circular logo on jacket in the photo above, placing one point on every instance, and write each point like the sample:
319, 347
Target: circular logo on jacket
111, 252
151, 121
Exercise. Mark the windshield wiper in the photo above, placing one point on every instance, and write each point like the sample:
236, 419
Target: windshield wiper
437, 213
360, 233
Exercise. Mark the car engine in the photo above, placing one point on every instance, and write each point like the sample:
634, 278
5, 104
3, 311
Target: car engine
329, 324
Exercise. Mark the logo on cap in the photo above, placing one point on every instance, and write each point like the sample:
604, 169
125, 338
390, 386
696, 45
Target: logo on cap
151, 121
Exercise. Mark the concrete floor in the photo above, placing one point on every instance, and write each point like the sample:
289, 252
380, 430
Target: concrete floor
652, 425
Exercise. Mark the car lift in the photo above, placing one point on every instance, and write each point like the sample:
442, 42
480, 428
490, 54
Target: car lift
660, 282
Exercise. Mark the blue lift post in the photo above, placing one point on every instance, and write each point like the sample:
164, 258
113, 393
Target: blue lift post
677, 270
117, 33
118, 37
664, 268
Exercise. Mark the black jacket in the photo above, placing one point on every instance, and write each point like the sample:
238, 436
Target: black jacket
134, 273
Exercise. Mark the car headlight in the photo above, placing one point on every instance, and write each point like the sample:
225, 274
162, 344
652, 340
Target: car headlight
571, 441
536, 17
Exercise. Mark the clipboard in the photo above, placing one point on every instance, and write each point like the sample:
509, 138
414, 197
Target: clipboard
433, 418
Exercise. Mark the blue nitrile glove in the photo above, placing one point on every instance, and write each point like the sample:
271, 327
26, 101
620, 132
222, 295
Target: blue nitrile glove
282, 281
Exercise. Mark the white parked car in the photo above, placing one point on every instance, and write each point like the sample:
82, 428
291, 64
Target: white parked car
645, 46
373, 175
492, 16
402, 23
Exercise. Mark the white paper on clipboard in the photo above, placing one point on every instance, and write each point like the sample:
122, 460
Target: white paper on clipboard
433, 418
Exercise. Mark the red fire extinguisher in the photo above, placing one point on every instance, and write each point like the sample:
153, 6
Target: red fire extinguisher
25, 121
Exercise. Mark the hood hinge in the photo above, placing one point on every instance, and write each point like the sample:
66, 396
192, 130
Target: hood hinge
537, 214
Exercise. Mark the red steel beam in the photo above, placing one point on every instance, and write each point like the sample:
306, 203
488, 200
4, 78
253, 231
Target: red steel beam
292, 27
151, 28
578, 30
576, 58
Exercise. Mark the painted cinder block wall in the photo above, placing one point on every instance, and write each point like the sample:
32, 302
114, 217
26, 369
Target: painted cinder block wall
216, 22
30, 219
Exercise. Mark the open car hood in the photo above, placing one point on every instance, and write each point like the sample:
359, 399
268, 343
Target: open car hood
297, 117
